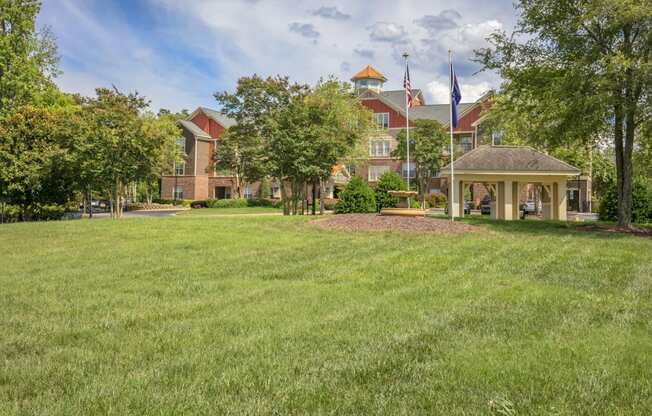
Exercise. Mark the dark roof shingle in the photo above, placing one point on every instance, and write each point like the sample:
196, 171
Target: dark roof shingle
511, 158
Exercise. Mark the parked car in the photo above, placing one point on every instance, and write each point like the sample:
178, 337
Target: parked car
529, 208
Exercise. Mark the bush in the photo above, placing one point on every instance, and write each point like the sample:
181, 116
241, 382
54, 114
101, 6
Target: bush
175, 202
50, 212
356, 197
389, 181
263, 202
9, 213
436, 200
641, 202
226, 203
414, 203
199, 204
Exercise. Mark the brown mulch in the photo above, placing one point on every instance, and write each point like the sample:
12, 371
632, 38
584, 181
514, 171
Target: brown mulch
641, 232
373, 222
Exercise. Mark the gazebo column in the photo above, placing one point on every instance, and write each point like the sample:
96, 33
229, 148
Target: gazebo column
560, 188
508, 200
546, 200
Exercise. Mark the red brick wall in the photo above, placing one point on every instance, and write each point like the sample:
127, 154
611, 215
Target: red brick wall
396, 120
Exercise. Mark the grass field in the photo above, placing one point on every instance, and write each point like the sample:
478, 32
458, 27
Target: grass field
268, 315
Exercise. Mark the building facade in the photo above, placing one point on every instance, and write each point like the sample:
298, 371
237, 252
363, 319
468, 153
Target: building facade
196, 179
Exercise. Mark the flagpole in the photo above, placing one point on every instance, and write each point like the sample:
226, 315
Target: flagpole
407, 128
451, 186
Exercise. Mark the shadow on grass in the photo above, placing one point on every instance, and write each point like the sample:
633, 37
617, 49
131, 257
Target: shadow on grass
592, 229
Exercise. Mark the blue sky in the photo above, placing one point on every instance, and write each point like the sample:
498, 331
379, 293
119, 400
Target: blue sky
179, 52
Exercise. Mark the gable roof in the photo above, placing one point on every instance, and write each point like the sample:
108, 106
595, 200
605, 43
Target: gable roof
193, 128
218, 117
397, 97
511, 159
369, 72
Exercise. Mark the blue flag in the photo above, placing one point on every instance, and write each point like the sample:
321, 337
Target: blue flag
456, 97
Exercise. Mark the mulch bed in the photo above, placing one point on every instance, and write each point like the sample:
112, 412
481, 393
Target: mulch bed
641, 232
373, 222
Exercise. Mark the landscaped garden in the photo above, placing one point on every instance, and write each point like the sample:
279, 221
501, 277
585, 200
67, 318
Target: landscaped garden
278, 315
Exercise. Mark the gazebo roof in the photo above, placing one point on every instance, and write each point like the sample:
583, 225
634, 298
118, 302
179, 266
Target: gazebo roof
510, 159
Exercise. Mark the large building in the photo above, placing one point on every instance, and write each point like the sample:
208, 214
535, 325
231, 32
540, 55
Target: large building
196, 179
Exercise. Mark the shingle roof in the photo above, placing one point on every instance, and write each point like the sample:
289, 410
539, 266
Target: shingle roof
225, 121
369, 72
193, 128
511, 158
437, 112
397, 97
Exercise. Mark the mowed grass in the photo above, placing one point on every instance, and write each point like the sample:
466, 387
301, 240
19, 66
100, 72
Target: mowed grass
268, 315
230, 211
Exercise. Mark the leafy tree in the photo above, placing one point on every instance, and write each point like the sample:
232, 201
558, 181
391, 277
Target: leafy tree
125, 146
388, 181
357, 197
642, 202
36, 165
427, 144
579, 69
240, 152
28, 58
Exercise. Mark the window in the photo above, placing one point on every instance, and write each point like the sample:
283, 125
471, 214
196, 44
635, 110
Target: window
248, 192
375, 172
466, 143
436, 174
177, 192
180, 167
351, 169
222, 192
275, 188
379, 148
496, 137
381, 120
404, 171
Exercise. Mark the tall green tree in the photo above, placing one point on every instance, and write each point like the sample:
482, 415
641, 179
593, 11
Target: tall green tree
28, 57
427, 144
580, 69
126, 145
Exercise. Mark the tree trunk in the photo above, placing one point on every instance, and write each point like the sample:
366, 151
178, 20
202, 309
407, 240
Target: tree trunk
284, 198
314, 197
623, 171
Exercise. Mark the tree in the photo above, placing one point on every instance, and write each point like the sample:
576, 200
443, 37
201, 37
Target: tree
36, 163
125, 145
388, 181
578, 70
28, 58
427, 144
240, 152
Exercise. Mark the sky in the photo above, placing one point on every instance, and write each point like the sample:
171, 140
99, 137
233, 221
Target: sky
178, 53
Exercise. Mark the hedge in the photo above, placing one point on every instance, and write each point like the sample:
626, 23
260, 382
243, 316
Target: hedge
641, 202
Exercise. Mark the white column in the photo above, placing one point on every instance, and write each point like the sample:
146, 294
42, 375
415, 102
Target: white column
561, 200
508, 201
454, 202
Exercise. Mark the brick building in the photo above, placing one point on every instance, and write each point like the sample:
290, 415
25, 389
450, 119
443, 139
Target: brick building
196, 179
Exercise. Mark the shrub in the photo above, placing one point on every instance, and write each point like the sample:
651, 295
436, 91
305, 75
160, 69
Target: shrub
414, 203
389, 181
175, 202
226, 203
50, 212
356, 197
436, 200
262, 202
641, 202
9, 213
199, 204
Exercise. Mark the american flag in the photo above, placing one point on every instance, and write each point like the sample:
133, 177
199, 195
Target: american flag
408, 87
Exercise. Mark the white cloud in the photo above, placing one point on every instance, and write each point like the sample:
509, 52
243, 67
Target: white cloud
237, 38
471, 91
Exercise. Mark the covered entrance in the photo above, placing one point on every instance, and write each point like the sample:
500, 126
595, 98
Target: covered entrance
506, 171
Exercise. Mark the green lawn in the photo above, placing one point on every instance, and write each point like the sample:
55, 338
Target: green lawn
230, 211
267, 315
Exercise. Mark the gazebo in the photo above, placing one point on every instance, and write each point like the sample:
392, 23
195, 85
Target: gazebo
504, 170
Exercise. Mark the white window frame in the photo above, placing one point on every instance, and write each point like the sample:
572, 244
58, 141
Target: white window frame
175, 192
380, 147
374, 172
413, 169
381, 121
248, 192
